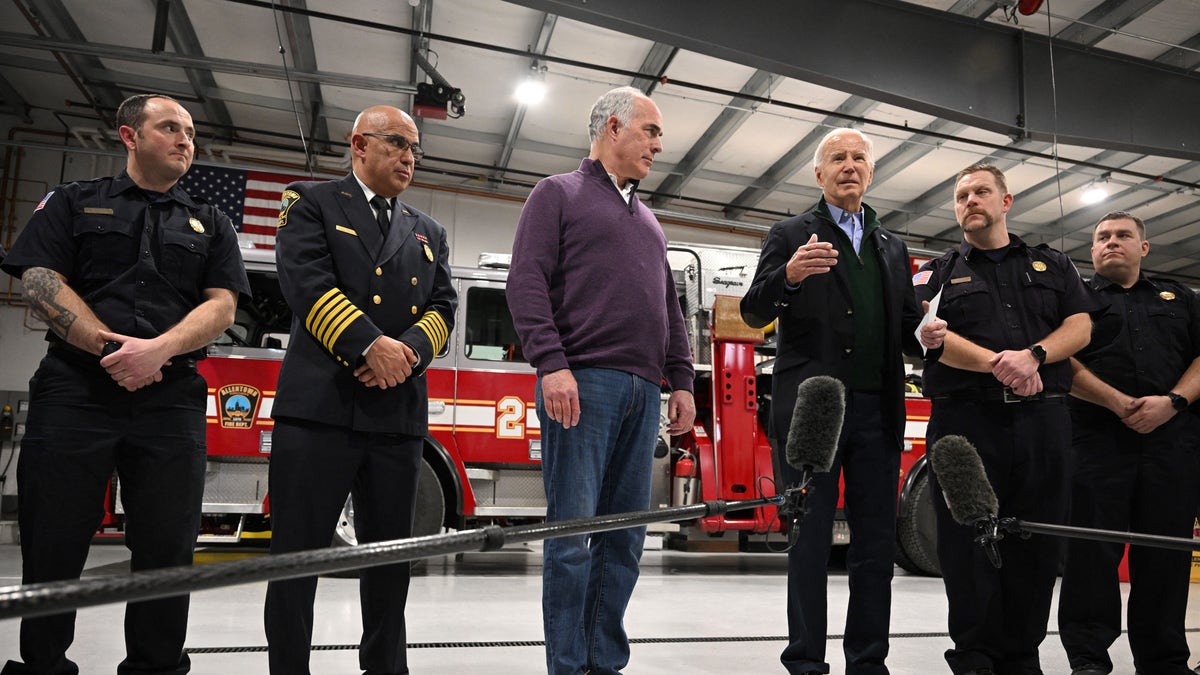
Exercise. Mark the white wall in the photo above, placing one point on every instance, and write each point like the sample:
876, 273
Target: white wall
475, 224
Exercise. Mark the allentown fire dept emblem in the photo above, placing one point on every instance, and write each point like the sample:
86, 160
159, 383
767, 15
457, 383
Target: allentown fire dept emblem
239, 404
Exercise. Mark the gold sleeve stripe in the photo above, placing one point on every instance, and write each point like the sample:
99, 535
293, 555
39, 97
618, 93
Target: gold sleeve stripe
337, 332
435, 329
317, 306
337, 319
329, 314
329, 317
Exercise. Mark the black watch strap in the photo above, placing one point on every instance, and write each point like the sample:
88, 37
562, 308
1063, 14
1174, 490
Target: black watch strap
1039, 353
1178, 401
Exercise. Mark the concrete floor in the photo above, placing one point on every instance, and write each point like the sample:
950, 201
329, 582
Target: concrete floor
692, 613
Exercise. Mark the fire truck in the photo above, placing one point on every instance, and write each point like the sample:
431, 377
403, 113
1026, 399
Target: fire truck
482, 456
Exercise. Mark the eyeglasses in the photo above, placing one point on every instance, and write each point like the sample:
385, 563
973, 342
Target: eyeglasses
401, 143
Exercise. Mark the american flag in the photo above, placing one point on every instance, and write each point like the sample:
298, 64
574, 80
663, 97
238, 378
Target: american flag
251, 199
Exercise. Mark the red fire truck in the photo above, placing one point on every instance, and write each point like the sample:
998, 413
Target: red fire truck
482, 455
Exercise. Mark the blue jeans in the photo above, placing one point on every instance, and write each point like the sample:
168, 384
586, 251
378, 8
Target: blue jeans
598, 467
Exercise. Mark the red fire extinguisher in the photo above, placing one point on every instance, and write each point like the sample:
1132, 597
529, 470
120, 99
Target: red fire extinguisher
684, 481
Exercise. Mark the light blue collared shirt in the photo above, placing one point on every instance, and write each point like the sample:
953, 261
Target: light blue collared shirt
850, 223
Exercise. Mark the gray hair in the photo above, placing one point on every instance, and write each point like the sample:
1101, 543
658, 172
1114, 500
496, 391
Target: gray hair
820, 151
614, 103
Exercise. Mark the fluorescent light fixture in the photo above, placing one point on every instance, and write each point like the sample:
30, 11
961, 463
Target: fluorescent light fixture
531, 92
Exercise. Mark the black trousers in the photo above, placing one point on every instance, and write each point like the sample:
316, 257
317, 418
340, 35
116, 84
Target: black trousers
870, 464
1144, 483
82, 426
313, 468
998, 617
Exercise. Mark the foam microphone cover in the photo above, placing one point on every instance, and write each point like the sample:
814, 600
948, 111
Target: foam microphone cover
964, 482
816, 423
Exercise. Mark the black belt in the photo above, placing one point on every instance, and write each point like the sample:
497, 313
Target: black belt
1004, 395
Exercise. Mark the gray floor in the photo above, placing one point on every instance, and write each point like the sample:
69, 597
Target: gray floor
691, 612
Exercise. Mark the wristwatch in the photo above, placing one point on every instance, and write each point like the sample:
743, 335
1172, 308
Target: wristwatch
1039, 353
1178, 402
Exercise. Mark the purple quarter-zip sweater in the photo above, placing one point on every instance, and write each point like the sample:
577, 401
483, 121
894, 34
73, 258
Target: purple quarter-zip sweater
589, 285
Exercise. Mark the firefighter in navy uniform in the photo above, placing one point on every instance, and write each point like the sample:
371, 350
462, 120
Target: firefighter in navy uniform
368, 281
1135, 461
1016, 313
133, 278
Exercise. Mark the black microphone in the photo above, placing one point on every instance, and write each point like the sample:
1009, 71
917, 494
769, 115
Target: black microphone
816, 423
812, 438
969, 495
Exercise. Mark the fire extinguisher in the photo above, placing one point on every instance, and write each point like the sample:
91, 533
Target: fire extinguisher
684, 481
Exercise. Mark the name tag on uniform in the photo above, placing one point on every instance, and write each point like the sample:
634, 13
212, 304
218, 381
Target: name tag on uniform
97, 209
960, 280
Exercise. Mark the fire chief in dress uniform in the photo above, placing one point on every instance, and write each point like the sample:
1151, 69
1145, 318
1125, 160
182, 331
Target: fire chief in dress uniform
368, 281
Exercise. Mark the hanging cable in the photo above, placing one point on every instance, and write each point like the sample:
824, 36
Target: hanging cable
1062, 213
287, 76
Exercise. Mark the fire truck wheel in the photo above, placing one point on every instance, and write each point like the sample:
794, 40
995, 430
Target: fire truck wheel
916, 530
431, 510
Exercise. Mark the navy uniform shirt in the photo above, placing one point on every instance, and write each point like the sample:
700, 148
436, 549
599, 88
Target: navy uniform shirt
141, 260
1157, 328
1004, 299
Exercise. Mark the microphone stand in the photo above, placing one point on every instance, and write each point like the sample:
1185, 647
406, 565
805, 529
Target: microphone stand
793, 504
1024, 529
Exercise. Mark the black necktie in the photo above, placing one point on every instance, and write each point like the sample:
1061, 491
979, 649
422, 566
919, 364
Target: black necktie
381, 213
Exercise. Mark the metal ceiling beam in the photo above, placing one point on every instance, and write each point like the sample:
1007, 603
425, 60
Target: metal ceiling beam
1099, 23
1004, 85
183, 36
976, 9
657, 59
718, 133
304, 57
14, 103
913, 149
175, 88
215, 64
1086, 217
796, 157
940, 195
540, 44
1185, 56
54, 20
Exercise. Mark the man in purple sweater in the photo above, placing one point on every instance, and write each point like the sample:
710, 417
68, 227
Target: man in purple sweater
593, 300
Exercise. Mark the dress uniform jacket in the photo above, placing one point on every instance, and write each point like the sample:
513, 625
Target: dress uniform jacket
347, 284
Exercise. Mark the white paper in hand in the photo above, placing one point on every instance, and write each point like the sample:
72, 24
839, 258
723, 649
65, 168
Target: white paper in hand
931, 315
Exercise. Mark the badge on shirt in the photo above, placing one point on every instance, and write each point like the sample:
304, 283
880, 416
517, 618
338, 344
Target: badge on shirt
1167, 295
44, 200
290, 197
1039, 266
922, 277
959, 280
197, 226
428, 252
421, 238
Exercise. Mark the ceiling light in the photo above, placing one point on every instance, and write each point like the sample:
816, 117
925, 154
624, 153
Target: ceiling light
1094, 194
531, 92
1096, 191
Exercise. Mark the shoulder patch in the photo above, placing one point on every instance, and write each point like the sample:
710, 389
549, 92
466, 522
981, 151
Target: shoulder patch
44, 200
290, 197
922, 277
